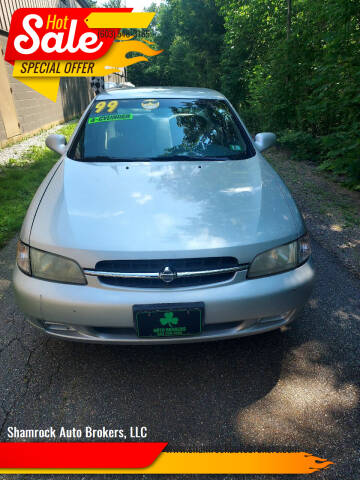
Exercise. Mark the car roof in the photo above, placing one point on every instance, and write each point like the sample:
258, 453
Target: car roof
160, 92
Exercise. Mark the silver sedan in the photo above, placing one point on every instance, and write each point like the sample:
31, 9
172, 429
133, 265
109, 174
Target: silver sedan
162, 222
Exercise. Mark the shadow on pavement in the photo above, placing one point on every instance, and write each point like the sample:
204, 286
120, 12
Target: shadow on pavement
296, 390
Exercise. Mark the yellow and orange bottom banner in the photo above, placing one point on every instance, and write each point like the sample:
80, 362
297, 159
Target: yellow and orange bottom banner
149, 457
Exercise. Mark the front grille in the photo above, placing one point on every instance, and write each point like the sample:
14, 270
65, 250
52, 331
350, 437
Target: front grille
179, 266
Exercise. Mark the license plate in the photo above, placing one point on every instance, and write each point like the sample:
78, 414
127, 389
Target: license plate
168, 320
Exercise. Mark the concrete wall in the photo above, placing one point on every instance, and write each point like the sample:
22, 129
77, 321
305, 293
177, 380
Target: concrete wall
2, 129
32, 110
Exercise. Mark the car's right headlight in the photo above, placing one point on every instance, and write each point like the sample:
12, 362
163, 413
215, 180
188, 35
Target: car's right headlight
48, 266
281, 259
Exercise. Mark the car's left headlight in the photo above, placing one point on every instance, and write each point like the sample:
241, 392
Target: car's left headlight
280, 259
48, 266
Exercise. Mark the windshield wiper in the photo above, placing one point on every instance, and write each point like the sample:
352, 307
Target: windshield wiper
103, 158
99, 158
195, 158
178, 157
166, 158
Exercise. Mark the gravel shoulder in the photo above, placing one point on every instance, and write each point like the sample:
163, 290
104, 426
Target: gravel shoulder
14, 152
331, 212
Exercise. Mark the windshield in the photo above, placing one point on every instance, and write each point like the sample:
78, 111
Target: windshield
160, 129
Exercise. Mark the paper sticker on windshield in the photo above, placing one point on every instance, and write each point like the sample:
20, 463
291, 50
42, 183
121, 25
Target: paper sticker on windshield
235, 147
150, 104
108, 107
111, 118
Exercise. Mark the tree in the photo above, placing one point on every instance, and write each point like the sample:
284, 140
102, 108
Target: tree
291, 66
190, 32
114, 4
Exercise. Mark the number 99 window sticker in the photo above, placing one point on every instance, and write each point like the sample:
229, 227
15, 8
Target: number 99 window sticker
104, 112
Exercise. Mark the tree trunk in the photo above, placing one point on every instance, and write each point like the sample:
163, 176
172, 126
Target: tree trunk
289, 13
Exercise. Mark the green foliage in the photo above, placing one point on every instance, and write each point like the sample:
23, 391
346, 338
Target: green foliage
342, 155
304, 85
303, 145
191, 34
114, 4
19, 180
297, 74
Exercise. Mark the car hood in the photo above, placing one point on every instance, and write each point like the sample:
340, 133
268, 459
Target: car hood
99, 211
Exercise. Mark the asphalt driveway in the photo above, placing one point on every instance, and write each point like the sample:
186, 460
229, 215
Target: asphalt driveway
296, 390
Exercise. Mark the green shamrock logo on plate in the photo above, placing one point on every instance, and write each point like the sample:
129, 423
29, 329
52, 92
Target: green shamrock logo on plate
169, 319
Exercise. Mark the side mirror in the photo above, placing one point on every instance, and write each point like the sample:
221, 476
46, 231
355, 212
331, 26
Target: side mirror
265, 140
57, 143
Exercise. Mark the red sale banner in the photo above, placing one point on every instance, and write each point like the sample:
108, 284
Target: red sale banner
45, 44
57, 34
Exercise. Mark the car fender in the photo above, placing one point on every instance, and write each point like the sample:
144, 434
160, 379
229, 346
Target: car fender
34, 205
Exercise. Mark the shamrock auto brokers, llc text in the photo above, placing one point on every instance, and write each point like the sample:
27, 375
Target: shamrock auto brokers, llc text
86, 432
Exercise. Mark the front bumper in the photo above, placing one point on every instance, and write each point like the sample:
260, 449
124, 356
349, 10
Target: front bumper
98, 313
